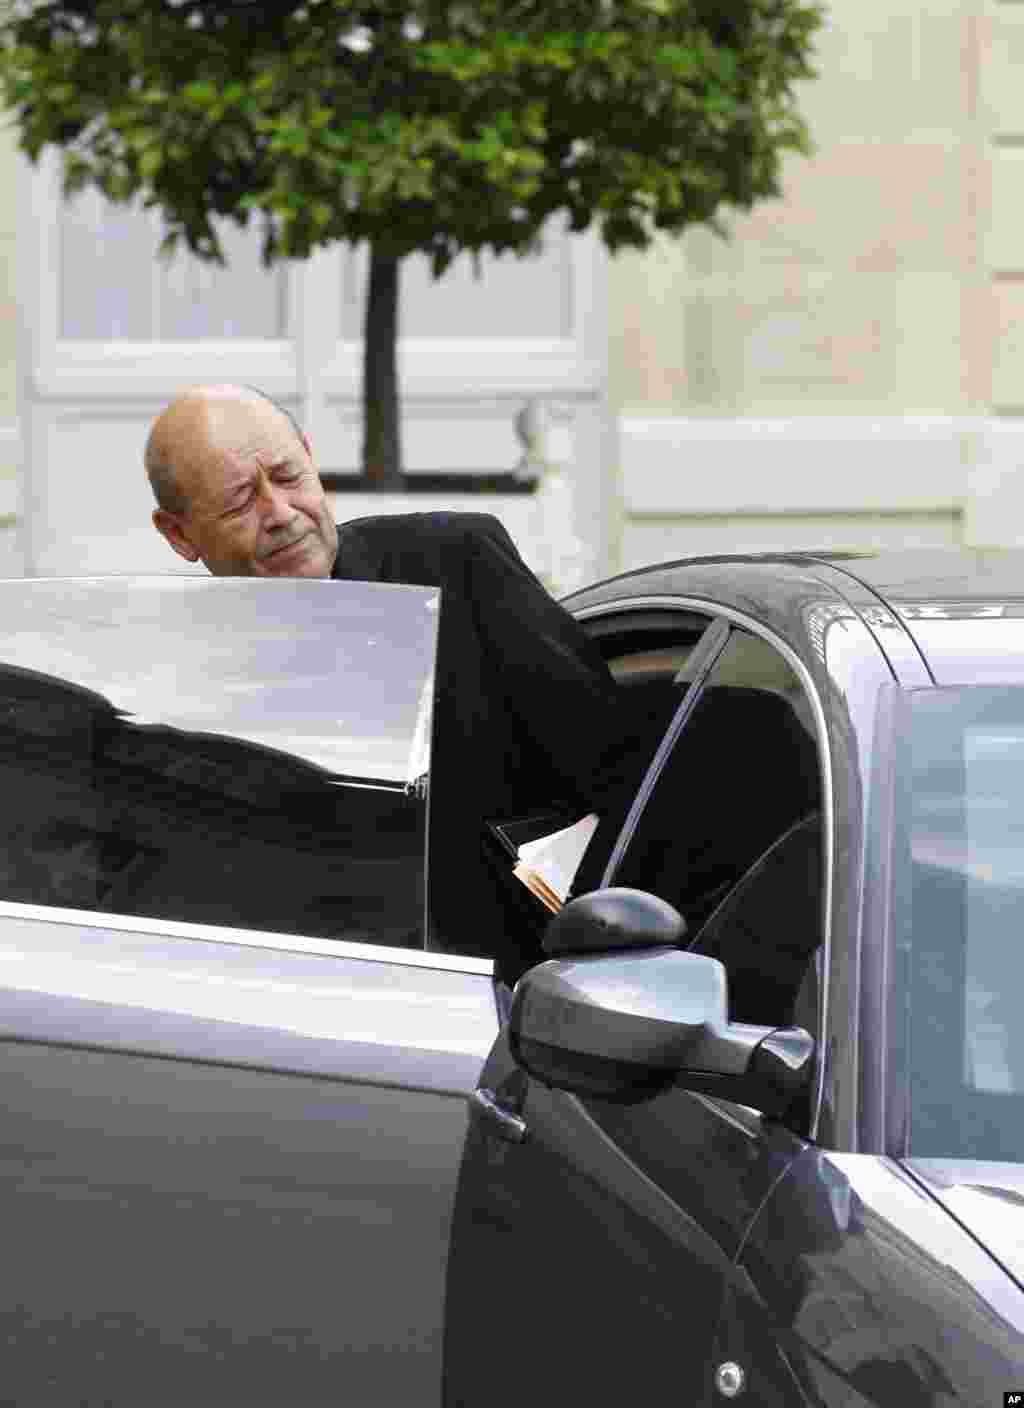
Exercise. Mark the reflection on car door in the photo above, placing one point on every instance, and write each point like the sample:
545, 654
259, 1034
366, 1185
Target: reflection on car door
232, 751
594, 1256
226, 1167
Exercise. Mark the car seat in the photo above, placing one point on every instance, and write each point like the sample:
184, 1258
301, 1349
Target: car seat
767, 928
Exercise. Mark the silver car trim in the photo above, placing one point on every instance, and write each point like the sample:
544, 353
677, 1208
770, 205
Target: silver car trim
419, 750
708, 651
249, 938
713, 608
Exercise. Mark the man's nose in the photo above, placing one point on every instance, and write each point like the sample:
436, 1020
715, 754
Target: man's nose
275, 505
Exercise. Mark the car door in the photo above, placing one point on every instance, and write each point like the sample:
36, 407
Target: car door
233, 1081
594, 1241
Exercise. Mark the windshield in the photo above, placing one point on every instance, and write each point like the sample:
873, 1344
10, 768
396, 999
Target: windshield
960, 921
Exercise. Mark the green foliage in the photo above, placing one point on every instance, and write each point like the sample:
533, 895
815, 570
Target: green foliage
414, 124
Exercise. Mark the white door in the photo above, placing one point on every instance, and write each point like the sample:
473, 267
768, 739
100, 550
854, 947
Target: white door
109, 335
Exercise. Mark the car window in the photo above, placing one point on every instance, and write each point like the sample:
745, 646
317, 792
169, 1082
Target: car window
220, 751
731, 833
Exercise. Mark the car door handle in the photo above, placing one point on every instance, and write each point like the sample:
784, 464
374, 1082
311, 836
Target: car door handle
503, 1121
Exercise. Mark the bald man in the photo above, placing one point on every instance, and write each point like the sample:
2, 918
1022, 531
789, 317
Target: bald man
236, 486
527, 711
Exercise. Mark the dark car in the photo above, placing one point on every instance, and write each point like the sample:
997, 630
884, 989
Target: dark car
754, 1127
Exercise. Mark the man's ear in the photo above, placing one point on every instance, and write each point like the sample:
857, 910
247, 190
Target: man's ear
308, 448
169, 527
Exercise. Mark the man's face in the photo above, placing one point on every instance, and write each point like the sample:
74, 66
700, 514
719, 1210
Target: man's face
256, 504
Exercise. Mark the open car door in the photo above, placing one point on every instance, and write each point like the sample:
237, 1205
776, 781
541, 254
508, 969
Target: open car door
233, 1079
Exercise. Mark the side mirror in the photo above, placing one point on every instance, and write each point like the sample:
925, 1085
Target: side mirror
613, 919
624, 1025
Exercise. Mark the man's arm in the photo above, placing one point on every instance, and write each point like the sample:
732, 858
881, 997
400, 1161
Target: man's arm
554, 679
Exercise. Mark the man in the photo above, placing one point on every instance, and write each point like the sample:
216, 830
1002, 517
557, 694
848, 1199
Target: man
527, 712
236, 486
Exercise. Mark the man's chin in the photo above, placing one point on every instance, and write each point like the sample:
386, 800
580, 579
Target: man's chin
299, 559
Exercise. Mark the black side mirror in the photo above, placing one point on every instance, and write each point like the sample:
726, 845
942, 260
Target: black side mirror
624, 1024
613, 919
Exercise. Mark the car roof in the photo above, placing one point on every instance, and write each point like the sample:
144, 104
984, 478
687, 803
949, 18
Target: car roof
938, 575
902, 575
964, 608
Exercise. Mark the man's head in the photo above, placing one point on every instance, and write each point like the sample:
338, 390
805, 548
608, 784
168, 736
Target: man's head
236, 486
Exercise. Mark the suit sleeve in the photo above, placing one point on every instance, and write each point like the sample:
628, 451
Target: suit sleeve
554, 680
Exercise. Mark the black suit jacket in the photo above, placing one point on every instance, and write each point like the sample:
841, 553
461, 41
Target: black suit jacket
527, 712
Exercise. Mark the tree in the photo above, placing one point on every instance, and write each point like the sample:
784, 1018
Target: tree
439, 126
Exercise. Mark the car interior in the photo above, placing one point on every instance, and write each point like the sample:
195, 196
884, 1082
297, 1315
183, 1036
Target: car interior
732, 833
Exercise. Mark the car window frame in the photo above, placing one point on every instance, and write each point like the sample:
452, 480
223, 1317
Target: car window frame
636, 607
704, 656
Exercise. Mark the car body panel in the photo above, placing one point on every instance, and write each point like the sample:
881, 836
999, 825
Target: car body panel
182, 1232
222, 1161
896, 642
969, 643
962, 608
937, 575
196, 997
858, 1288
612, 1245
986, 1198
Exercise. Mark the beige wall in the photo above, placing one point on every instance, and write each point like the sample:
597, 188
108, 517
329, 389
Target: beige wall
855, 293
878, 305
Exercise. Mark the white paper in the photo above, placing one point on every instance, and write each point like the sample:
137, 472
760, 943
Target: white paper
556, 857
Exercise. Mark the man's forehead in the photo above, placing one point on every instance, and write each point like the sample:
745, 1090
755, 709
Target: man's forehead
219, 417
246, 426
232, 449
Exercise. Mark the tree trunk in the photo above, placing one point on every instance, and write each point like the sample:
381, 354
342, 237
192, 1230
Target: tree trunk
382, 442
